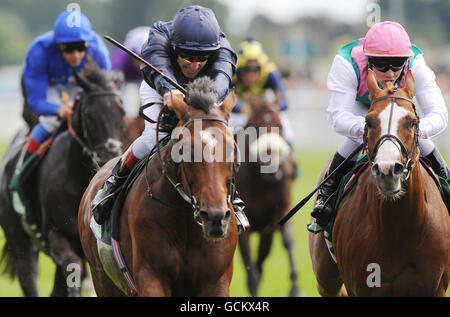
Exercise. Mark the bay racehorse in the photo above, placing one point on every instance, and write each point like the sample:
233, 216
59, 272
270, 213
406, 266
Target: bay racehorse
391, 232
177, 229
264, 182
56, 186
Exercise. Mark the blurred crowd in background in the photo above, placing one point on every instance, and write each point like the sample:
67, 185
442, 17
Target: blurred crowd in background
303, 45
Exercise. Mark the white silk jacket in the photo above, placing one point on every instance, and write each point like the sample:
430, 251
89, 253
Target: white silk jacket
343, 85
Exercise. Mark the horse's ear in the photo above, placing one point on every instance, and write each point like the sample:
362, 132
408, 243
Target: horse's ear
228, 104
178, 105
118, 79
372, 84
410, 83
81, 80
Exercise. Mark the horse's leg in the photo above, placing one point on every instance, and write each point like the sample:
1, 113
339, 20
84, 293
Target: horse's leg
70, 266
24, 258
288, 243
265, 244
252, 273
154, 285
329, 281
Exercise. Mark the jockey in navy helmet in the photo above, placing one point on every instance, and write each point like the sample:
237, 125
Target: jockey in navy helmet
189, 46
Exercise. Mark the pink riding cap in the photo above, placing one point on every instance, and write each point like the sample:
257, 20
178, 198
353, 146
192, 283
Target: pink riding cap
387, 39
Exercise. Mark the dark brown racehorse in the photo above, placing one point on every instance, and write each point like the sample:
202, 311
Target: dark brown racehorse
264, 182
180, 241
392, 230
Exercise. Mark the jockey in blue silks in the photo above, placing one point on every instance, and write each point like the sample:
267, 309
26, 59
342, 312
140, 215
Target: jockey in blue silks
190, 46
49, 62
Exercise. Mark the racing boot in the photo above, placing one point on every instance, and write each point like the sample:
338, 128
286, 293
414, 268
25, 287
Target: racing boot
104, 199
324, 207
440, 167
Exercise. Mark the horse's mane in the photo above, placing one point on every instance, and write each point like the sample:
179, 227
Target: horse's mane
95, 75
202, 94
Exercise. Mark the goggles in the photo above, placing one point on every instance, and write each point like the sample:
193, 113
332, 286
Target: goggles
195, 59
248, 69
383, 65
73, 46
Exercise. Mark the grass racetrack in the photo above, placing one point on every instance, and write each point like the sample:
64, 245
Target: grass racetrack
275, 279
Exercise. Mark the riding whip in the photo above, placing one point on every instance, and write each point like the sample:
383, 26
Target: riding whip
307, 198
139, 58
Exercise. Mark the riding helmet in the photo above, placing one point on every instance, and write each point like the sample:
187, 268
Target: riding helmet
195, 28
72, 26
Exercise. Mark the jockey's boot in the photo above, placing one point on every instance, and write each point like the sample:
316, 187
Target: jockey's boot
324, 206
440, 167
438, 164
104, 199
241, 218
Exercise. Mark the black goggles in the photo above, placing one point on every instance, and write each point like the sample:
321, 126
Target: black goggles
73, 46
250, 69
383, 65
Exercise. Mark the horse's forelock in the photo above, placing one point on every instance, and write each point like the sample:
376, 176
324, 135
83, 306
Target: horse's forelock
202, 94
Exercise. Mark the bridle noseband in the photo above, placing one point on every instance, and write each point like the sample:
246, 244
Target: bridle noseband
409, 162
80, 99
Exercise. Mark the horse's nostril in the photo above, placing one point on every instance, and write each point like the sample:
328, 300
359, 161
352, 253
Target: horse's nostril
204, 215
227, 215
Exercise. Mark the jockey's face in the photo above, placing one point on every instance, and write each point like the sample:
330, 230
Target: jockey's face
387, 69
190, 70
73, 53
387, 77
250, 78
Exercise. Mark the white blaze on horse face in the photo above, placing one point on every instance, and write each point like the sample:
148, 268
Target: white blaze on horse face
210, 141
389, 153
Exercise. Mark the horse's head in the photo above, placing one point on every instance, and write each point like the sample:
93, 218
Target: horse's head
269, 149
391, 135
206, 153
98, 119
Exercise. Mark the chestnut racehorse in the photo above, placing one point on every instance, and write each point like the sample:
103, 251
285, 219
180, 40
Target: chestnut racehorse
178, 232
264, 184
391, 232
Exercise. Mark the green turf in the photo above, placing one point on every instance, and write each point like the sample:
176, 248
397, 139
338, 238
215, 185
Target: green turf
275, 280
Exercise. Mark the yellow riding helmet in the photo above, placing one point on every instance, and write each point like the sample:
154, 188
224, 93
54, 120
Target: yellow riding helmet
251, 51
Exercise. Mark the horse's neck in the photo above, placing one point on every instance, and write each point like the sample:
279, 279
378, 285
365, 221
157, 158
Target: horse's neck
73, 153
405, 215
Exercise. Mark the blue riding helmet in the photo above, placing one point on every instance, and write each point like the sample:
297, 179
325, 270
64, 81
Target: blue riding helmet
72, 26
195, 28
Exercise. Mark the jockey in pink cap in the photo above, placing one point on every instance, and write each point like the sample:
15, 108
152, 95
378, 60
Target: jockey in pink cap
388, 51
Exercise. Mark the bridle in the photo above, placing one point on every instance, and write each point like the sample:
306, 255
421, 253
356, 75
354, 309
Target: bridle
86, 146
183, 187
408, 157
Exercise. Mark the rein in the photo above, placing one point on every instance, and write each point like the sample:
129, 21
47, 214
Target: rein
408, 163
86, 150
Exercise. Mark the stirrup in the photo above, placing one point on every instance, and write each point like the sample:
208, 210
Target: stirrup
242, 221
